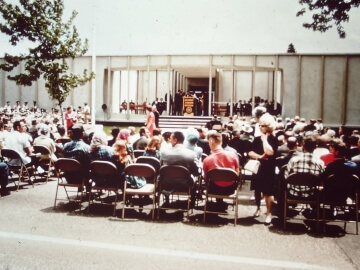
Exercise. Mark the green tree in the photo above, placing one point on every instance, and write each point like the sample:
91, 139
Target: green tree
291, 48
328, 13
54, 42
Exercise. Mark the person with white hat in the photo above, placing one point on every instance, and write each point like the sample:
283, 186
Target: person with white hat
247, 134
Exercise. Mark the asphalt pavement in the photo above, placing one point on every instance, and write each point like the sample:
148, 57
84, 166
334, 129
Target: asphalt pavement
34, 235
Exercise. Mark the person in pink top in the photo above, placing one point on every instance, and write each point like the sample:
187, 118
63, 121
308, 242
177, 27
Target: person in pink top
150, 121
220, 158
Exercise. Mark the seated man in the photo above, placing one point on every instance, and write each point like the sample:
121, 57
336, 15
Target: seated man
4, 181
178, 154
44, 140
220, 158
144, 139
77, 149
340, 189
304, 163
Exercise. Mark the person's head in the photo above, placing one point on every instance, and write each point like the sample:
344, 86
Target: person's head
214, 138
267, 123
354, 140
258, 112
153, 108
44, 130
19, 126
309, 144
69, 109
166, 135
143, 131
247, 128
292, 143
340, 149
202, 132
236, 133
115, 131
121, 150
192, 136
124, 135
157, 132
98, 140
225, 138
132, 130
77, 132
154, 143
177, 137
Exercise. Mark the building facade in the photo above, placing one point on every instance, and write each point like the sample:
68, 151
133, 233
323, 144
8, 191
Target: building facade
308, 85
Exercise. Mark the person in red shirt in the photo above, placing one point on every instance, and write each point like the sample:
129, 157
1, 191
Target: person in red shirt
69, 116
220, 158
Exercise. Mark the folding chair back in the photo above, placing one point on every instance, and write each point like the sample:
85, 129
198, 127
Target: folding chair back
47, 163
149, 189
22, 170
304, 189
43, 150
153, 161
10, 154
341, 197
175, 180
105, 177
223, 175
138, 153
69, 165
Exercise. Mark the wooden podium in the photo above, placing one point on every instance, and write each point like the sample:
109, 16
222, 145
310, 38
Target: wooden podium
188, 106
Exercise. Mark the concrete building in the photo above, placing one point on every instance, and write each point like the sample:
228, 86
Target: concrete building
309, 85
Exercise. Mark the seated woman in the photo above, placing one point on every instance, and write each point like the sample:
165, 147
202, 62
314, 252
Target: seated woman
99, 150
153, 147
121, 159
124, 135
192, 138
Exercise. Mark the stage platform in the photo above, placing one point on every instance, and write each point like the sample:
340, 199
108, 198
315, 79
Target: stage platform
165, 121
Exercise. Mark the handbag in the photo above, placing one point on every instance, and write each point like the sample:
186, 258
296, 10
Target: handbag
252, 165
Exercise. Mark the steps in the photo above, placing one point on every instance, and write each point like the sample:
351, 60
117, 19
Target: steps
182, 122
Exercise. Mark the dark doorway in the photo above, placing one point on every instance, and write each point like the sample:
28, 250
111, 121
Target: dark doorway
200, 86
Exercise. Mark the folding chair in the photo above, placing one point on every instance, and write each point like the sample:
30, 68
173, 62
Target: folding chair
149, 189
175, 180
22, 170
342, 201
69, 166
302, 189
153, 161
223, 175
138, 153
105, 176
46, 164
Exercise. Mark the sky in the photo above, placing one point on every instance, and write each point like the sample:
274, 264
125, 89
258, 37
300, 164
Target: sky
150, 27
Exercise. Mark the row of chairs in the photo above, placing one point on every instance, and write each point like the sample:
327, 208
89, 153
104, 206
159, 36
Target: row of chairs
149, 168
306, 190
23, 171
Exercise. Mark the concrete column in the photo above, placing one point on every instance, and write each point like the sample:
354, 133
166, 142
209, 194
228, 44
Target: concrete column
210, 84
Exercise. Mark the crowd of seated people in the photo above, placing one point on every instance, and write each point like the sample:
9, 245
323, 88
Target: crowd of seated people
297, 144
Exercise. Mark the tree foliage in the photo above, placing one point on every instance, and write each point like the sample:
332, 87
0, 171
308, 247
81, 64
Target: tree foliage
328, 13
291, 48
54, 42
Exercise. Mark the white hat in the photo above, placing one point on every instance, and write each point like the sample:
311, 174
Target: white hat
247, 128
43, 129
